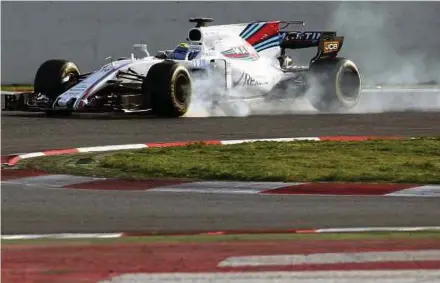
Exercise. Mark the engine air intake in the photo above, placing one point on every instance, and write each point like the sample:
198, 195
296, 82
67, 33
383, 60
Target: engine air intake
195, 35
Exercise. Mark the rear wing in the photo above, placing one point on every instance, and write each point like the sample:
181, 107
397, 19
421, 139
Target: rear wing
328, 43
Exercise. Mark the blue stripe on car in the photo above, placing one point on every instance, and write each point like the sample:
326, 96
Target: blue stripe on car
246, 29
253, 30
273, 44
275, 38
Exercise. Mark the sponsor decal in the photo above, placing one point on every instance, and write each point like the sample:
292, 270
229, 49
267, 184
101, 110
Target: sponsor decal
331, 46
240, 52
297, 35
247, 80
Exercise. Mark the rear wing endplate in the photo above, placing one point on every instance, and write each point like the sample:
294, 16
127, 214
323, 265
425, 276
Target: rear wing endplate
328, 43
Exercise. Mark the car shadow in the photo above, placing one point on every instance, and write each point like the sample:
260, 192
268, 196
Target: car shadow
86, 116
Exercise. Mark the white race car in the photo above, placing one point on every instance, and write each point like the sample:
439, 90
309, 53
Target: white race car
225, 62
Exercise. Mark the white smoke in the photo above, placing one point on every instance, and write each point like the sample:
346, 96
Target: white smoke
387, 51
208, 102
377, 102
384, 51
208, 98
377, 39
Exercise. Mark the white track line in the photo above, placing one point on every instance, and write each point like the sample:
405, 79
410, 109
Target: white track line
426, 190
230, 187
111, 147
312, 231
378, 229
330, 258
62, 236
402, 90
230, 142
369, 276
58, 180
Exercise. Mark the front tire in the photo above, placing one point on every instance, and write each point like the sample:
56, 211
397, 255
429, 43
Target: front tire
335, 85
53, 78
168, 87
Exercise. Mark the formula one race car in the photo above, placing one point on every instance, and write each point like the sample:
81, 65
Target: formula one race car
235, 61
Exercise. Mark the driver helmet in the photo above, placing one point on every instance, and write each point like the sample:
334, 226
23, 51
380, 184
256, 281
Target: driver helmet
180, 51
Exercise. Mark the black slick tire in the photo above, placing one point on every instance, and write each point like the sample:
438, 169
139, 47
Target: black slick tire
53, 78
168, 87
334, 85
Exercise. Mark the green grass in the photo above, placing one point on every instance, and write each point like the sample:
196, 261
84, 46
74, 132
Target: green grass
17, 87
402, 161
229, 238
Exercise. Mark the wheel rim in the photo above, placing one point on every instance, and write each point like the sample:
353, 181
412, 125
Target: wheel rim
182, 88
73, 79
349, 84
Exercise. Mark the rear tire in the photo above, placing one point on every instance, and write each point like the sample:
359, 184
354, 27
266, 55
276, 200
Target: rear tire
168, 86
53, 78
334, 85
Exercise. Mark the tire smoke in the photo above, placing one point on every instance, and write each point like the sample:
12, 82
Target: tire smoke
386, 46
386, 40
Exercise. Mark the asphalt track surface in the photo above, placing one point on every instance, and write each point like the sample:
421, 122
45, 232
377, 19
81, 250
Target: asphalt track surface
32, 132
45, 210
